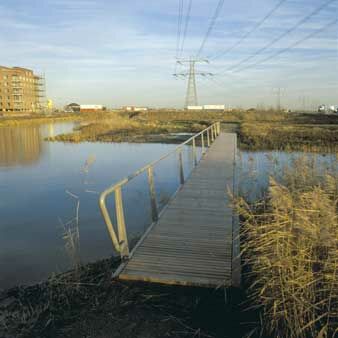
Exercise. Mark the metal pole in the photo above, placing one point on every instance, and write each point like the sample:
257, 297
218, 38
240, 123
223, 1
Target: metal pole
194, 152
208, 138
109, 223
202, 139
180, 159
154, 210
121, 225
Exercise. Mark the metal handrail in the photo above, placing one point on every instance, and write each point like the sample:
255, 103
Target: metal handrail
120, 240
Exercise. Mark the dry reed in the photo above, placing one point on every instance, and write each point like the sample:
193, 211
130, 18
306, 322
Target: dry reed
290, 252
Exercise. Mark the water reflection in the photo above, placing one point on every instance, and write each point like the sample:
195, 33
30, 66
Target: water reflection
34, 199
20, 146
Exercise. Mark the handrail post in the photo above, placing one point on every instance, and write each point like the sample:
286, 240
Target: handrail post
180, 160
154, 210
109, 223
194, 152
121, 225
208, 138
202, 140
219, 127
212, 133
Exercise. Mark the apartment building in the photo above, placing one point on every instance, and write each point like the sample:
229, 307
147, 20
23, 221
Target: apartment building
20, 90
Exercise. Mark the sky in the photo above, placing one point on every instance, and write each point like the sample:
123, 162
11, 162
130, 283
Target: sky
123, 52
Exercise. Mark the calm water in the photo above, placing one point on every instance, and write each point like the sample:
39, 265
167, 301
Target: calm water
38, 179
35, 178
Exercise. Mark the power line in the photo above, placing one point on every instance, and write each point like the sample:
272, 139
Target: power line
284, 34
179, 26
293, 45
211, 26
187, 19
282, 51
245, 36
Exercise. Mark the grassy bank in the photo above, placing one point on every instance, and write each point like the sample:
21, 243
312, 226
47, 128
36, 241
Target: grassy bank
290, 241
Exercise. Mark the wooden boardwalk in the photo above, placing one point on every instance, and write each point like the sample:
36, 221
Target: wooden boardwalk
192, 243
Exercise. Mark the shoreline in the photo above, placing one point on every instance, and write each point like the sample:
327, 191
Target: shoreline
76, 302
257, 130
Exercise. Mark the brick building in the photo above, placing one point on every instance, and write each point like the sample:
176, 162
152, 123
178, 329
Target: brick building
20, 90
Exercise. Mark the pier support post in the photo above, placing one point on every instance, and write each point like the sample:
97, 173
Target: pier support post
152, 191
180, 160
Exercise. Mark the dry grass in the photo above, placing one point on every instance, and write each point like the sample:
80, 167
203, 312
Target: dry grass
213, 116
289, 136
115, 127
259, 129
305, 132
291, 252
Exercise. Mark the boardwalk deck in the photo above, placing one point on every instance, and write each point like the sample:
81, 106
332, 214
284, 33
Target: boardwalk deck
192, 243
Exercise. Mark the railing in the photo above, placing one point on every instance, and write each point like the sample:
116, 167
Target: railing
120, 240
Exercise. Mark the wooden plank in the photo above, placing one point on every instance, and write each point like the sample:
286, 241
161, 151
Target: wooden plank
192, 242
174, 279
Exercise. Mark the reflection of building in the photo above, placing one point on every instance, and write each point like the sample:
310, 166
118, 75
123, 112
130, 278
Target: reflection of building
21, 90
19, 145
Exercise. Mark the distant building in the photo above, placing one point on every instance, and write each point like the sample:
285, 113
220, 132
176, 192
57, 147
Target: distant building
195, 107
91, 108
134, 109
220, 107
21, 91
72, 108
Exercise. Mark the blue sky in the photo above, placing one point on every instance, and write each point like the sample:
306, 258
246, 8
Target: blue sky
121, 52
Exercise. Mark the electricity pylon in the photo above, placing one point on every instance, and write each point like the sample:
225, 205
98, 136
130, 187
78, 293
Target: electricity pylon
191, 95
278, 92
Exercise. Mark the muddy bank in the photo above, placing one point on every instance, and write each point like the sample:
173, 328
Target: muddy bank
88, 303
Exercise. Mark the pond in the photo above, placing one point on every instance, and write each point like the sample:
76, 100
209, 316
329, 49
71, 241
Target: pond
42, 182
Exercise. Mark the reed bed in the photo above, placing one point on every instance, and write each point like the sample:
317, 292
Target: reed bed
289, 135
290, 252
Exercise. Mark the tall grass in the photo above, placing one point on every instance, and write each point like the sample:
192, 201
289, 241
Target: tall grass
290, 250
